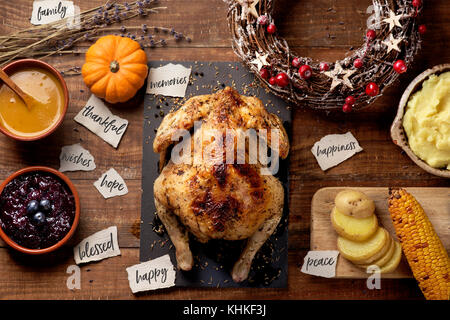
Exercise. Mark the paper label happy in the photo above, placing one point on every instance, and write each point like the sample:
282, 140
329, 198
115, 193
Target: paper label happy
334, 149
75, 158
321, 263
111, 184
96, 117
48, 11
169, 80
100, 245
154, 274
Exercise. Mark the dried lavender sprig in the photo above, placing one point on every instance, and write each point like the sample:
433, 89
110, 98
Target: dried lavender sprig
36, 41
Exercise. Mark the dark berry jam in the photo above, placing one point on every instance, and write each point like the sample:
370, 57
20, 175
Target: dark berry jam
21, 226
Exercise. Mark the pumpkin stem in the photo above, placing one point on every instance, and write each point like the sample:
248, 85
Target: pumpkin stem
114, 66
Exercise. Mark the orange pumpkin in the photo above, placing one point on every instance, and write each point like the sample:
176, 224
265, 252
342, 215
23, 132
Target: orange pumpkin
115, 68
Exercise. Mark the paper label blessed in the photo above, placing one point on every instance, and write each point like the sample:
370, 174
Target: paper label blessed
321, 263
99, 246
111, 184
154, 274
169, 80
334, 149
96, 117
75, 158
48, 11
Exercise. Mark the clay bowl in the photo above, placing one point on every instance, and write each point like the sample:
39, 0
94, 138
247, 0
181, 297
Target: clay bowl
397, 132
33, 63
69, 234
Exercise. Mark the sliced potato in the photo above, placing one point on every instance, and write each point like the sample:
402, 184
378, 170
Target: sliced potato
380, 253
354, 203
354, 229
392, 264
384, 259
360, 251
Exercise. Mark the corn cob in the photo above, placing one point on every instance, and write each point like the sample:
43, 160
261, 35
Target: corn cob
421, 245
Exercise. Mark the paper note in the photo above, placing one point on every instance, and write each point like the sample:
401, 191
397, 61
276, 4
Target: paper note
321, 263
154, 274
169, 80
334, 149
99, 246
111, 184
48, 11
96, 117
75, 158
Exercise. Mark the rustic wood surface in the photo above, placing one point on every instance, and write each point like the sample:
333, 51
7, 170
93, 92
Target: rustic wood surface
325, 29
435, 202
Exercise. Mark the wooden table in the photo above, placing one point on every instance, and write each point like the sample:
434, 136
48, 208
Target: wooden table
312, 29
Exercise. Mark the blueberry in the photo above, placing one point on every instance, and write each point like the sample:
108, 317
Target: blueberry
38, 218
45, 205
32, 207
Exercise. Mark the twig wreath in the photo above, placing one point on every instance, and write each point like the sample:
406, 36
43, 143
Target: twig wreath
391, 43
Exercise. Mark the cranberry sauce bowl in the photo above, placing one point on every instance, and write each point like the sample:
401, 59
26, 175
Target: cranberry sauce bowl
39, 210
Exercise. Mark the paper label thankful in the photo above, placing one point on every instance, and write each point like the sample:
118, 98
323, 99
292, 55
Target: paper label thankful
100, 245
169, 80
96, 117
75, 158
334, 149
321, 263
154, 274
48, 11
111, 184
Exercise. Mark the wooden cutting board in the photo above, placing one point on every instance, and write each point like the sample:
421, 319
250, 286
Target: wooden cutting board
435, 201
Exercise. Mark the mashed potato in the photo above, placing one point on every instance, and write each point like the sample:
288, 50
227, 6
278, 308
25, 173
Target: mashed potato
427, 121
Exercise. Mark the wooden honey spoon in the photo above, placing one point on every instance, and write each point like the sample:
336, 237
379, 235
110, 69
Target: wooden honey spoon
27, 99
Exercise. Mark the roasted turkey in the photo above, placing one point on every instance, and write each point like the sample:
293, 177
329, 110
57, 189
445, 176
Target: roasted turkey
209, 195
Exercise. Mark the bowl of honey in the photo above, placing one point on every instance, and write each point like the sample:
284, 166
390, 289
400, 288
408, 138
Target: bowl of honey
47, 86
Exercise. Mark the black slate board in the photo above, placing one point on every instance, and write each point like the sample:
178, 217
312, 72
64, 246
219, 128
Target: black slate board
214, 260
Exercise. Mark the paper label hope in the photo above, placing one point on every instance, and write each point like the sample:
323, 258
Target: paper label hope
48, 11
334, 149
169, 80
154, 274
321, 263
96, 117
100, 245
111, 184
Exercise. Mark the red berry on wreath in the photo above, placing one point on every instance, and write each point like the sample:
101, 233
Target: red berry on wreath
372, 89
282, 79
264, 73
296, 62
271, 29
347, 108
273, 81
371, 35
422, 29
305, 71
350, 100
400, 66
324, 66
263, 20
358, 63
417, 3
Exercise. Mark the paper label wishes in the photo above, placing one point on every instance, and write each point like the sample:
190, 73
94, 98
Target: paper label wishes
334, 149
96, 117
154, 274
169, 80
74, 158
99, 246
